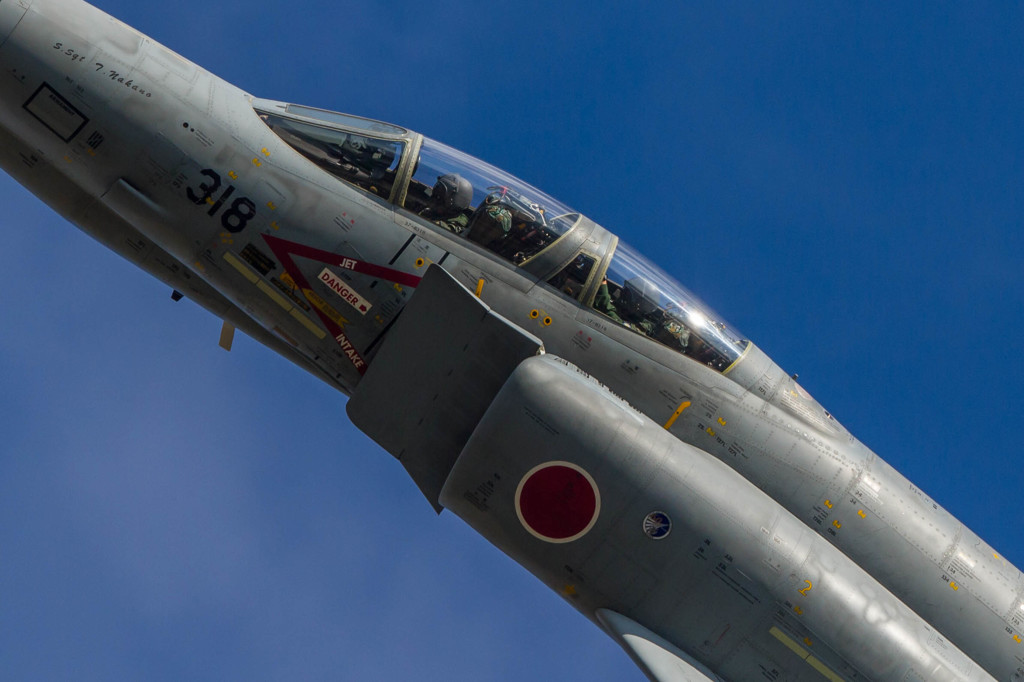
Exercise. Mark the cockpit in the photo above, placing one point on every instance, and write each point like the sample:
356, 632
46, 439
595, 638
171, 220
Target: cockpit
639, 295
484, 204
352, 149
467, 197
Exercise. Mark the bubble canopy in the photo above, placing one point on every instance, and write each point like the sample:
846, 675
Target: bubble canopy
499, 211
509, 217
643, 297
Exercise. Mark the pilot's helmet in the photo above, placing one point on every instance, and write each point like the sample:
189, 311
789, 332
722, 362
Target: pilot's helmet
453, 191
639, 297
498, 195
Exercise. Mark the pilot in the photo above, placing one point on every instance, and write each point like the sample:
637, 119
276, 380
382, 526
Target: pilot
492, 223
674, 333
638, 303
450, 198
603, 302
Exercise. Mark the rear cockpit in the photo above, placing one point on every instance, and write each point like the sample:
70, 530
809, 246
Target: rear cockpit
639, 295
484, 204
469, 198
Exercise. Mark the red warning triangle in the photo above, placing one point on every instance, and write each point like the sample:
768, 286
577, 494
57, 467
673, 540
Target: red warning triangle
285, 250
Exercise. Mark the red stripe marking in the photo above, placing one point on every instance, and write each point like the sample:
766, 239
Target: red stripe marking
284, 250
328, 258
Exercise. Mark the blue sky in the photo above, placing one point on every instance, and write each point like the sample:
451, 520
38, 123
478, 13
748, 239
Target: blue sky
841, 181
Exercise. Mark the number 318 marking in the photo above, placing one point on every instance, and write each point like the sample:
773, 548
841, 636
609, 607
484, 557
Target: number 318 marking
241, 210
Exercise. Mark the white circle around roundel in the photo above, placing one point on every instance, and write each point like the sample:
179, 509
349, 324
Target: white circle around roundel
557, 502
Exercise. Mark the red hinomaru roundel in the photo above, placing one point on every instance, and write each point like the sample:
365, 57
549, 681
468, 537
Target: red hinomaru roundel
557, 502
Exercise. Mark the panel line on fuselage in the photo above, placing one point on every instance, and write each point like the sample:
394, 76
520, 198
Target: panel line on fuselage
402, 250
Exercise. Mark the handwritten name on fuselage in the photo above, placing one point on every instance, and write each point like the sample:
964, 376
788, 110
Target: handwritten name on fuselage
75, 55
70, 52
128, 83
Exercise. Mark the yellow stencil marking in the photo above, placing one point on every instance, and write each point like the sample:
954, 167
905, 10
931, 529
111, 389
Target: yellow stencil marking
397, 286
808, 642
828, 503
275, 225
837, 524
307, 323
806, 589
287, 280
860, 513
1016, 638
804, 654
209, 200
272, 294
569, 590
271, 205
265, 152
675, 415
823, 669
790, 643
711, 432
721, 421
479, 287
799, 611
320, 304
233, 175
68, 159
952, 583
256, 162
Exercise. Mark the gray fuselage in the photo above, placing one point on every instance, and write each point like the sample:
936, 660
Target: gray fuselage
174, 169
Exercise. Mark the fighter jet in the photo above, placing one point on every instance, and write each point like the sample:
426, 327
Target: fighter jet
533, 374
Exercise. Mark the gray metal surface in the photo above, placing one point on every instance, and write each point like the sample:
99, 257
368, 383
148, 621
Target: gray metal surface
172, 168
11, 12
434, 376
658, 658
734, 561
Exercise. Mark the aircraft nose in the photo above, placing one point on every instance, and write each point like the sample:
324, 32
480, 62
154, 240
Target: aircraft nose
49, 49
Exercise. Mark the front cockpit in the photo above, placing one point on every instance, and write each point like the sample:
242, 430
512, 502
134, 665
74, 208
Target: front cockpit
361, 152
486, 206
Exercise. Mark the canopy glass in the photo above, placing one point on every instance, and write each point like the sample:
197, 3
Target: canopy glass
515, 220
